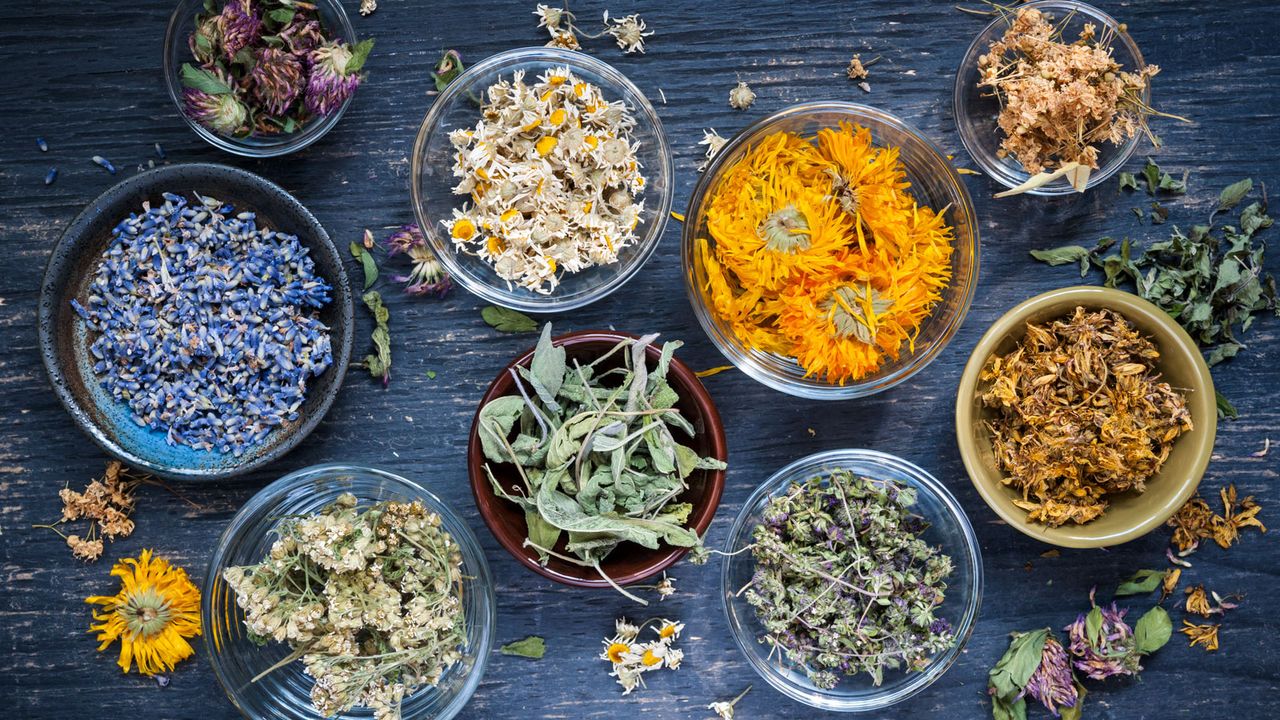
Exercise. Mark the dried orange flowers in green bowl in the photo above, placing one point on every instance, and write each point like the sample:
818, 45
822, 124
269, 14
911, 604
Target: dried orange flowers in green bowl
830, 251
1086, 417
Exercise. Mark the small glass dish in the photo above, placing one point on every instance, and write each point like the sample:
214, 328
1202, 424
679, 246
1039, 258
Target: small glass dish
977, 109
176, 52
949, 529
934, 182
433, 181
284, 693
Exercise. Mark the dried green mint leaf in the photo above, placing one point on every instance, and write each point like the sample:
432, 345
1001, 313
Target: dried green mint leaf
379, 362
367, 263
1142, 582
1011, 672
1153, 630
1151, 173
203, 80
507, 320
359, 54
1128, 181
1225, 408
1232, 194
1061, 255
532, 647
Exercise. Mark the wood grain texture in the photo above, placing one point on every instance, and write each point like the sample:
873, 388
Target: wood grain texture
86, 77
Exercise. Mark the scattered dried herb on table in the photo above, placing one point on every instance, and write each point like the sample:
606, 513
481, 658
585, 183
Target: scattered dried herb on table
532, 647
629, 31
1195, 521
553, 177
631, 658
378, 362
818, 251
594, 447
106, 504
345, 586
1078, 414
837, 547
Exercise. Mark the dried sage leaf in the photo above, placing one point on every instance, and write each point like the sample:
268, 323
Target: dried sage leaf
1142, 582
507, 320
1225, 408
378, 363
532, 647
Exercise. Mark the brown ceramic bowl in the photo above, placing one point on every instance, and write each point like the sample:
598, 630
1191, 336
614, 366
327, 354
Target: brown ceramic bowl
628, 563
1130, 515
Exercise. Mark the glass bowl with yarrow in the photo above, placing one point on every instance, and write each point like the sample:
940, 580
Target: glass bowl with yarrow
948, 530
433, 180
934, 183
977, 109
177, 50
285, 693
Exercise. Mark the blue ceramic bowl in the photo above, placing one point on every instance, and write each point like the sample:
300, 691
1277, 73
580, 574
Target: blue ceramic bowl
65, 338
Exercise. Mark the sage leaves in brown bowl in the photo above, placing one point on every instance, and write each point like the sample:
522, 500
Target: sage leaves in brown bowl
597, 458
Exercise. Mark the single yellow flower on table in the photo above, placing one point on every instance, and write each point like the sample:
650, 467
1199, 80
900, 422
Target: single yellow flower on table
156, 610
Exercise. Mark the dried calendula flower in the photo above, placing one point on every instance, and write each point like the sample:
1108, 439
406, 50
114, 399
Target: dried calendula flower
1190, 524
1195, 521
554, 180
741, 96
153, 614
1079, 414
1170, 583
1205, 636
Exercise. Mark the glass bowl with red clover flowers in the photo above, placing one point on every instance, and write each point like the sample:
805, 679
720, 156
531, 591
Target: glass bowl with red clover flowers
945, 528
933, 183
223, 117
285, 692
977, 109
457, 108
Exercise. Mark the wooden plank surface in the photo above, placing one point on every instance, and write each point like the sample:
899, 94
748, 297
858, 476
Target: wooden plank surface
86, 76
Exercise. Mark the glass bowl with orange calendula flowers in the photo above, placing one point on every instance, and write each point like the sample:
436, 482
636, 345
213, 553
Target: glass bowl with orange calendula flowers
830, 250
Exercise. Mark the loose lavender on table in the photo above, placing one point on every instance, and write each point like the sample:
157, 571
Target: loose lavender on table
843, 583
207, 326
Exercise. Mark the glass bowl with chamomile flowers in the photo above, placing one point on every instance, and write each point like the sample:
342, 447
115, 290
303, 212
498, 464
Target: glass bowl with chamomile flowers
542, 179
851, 580
348, 592
830, 251
262, 78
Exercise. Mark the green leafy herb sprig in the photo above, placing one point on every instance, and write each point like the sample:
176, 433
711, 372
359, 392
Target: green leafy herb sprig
595, 449
378, 363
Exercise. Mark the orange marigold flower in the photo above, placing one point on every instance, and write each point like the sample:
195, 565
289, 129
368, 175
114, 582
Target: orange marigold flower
153, 614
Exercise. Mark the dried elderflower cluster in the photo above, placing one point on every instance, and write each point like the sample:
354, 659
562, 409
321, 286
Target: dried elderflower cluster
844, 582
106, 503
632, 657
370, 598
553, 176
1079, 414
1059, 99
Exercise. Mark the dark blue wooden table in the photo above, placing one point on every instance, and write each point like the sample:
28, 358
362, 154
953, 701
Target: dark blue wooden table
86, 76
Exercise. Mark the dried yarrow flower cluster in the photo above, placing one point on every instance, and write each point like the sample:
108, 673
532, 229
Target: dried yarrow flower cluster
265, 67
370, 599
1079, 414
553, 176
632, 657
1059, 100
106, 504
844, 583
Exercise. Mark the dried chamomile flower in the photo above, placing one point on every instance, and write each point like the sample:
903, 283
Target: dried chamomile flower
367, 7
741, 96
564, 39
552, 172
856, 70
551, 17
714, 143
630, 657
629, 32
724, 708
667, 587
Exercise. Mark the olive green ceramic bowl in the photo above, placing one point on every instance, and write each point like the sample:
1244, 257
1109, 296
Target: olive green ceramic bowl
1130, 515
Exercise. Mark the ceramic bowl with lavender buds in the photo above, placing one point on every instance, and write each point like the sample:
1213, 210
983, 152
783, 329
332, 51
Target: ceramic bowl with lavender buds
67, 338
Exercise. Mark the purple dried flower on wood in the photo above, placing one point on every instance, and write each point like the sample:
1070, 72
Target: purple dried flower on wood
241, 26
1053, 683
405, 238
222, 113
1103, 643
276, 80
428, 276
335, 75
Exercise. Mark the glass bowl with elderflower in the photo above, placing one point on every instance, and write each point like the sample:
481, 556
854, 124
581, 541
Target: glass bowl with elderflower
831, 251
542, 179
392, 619
862, 554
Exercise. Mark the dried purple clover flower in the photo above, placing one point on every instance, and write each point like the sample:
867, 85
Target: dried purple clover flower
335, 74
276, 80
1103, 643
206, 39
221, 112
1053, 684
302, 37
241, 26
428, 276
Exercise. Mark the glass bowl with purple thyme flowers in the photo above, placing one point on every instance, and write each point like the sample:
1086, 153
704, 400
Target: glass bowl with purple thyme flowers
852, 580
261, 78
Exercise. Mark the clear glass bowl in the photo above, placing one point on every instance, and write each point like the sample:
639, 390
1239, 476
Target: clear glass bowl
949, 528
976, 109
433, 180
284, 694
176, 52
934, 182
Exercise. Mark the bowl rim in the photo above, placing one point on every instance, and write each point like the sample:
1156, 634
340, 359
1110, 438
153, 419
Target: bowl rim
325, 472
703, 514
842, 458
999, 173
288, 143
794, 386
443, 247
51, 287
1129, 306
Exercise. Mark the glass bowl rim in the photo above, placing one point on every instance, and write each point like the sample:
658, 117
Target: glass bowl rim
927, 483
289, 143
798, 386
994, 170
468, 543
493, 291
